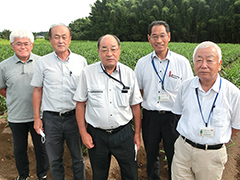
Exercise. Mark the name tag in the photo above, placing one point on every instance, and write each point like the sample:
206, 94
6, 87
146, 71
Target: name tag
206, 132
163, 97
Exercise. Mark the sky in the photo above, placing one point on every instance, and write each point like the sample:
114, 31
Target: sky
38, 15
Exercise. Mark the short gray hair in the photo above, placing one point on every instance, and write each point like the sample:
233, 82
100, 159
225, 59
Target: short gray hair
207, 44
21, 33
59, 24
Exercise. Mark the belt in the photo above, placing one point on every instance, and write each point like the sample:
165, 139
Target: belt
203, 146
159, 112
62, 114
112, 131
162, 112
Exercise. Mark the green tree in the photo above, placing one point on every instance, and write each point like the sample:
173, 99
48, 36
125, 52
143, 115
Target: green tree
80, 29
5, 34
189, 20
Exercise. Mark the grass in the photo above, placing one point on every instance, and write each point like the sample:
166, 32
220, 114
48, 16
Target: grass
132, 51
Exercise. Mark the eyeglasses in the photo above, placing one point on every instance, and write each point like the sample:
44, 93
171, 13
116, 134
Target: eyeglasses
19, 44
105, 50
162, 37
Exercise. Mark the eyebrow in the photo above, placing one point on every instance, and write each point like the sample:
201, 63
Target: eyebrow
199, 56
60, 35
111, 46
159, 34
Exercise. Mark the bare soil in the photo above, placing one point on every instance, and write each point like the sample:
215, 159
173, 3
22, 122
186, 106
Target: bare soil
8, 169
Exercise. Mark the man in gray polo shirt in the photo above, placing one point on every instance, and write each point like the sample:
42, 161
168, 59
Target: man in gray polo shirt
55, 80
15, 76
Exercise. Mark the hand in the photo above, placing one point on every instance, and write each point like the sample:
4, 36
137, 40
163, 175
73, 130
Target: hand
87, 140
38, 125
137, 140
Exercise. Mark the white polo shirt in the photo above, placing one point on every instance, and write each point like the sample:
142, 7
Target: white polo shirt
225, 114
107, 107
59, 80
178, 70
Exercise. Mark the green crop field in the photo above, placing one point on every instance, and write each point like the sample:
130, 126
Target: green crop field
132, 51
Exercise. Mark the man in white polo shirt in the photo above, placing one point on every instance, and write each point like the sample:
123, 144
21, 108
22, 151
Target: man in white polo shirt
209, 108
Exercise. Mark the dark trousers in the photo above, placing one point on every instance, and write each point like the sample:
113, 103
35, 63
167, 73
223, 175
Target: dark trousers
120, 145
57, 130
20, 143
157, 126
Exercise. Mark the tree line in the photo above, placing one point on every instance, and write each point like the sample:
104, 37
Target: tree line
6, 33
189, 20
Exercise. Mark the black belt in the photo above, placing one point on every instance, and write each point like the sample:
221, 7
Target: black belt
203, 146
163, 112
112, 131
159, 112
65, 114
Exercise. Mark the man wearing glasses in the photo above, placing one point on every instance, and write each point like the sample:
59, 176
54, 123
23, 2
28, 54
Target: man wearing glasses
159, 76
108, 98
15, 75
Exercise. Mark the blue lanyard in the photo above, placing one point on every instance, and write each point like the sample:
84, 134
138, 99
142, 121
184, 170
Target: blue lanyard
213, 105
154, 67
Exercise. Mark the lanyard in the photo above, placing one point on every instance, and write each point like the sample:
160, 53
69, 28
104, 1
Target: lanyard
125, 88
213, 105
154, 67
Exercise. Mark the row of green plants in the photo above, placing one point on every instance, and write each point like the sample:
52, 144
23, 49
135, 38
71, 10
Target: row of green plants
131, 52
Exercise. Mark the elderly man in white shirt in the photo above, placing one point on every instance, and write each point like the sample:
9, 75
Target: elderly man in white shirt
108, 97
209, 108
55, 81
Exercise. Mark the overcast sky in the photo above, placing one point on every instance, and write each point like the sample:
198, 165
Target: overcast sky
40, 15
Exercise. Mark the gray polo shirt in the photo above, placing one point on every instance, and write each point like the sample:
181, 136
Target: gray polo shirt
59, 80
16, 76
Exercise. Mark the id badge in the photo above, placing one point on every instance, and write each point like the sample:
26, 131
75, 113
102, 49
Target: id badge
206, 132
163, 97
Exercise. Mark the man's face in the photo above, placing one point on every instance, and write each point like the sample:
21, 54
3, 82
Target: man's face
109, 52
159, 39
22, 47
206, 64
60, 39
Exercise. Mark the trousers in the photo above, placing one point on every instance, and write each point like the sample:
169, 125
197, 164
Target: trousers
59, 129
157, 126
20, 142
119, 144
190, 163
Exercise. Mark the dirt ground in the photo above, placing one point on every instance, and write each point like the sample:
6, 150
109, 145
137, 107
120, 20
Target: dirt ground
8, 170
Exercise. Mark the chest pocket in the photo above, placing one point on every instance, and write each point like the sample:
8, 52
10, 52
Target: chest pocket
219, 117
173, 83
96, 96
122, 98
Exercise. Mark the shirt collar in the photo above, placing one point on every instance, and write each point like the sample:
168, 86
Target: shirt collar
58, 58
168, 57
215, 86
100, 69
17, 60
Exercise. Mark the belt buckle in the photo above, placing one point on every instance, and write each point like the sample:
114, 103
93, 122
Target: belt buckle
109, 131
60, 114
161, 112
